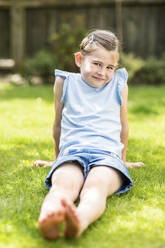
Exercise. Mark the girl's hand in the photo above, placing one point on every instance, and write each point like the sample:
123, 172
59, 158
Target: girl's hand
134, 165
42, 163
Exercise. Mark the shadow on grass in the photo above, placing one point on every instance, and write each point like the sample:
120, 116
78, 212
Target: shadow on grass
145, 149
22, 149
17, 160
144, 110
27, 92
146, 101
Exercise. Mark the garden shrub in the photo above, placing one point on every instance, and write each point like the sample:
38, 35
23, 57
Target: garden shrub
65, 43
62, 46
152, 72
131, 63
41, 65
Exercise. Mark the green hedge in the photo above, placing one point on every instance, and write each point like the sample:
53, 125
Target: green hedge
41, 65
62, 46
151, 71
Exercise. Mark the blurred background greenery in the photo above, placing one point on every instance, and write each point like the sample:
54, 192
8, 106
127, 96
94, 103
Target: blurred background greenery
38, 36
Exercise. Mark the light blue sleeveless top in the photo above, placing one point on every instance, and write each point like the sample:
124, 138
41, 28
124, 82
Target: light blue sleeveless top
91, 116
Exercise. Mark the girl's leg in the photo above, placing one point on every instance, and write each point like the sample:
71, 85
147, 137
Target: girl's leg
101, 182
67, 182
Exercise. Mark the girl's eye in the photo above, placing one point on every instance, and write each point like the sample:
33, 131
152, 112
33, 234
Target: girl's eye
97, 64
110, 68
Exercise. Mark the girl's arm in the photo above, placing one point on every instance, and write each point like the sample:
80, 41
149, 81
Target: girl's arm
58, 89
124, 130
124, 122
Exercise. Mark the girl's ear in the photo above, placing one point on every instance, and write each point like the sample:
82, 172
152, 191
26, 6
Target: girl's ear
78, 58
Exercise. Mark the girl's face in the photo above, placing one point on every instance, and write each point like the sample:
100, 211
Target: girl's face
97, 68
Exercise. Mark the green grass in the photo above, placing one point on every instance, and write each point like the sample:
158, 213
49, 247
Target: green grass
132, 220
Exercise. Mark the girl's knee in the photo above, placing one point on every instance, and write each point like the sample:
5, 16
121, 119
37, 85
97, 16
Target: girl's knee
103, 179
67, 176
94, 186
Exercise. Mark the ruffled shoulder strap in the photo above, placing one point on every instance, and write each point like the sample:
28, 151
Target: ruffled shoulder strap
60, 73
65, 76
122, 77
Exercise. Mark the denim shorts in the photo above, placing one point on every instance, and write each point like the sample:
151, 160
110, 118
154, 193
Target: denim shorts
89, 158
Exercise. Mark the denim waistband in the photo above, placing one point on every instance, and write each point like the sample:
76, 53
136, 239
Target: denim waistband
89, 151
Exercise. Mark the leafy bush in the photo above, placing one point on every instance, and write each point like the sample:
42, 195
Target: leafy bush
42, 65
65, 43
131, 63
152, 72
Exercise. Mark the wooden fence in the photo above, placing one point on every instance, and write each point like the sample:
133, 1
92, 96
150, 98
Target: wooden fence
26, 25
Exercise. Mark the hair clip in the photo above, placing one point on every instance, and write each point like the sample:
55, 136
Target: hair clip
91, 39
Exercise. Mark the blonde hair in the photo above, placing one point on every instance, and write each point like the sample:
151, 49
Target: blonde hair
105, 38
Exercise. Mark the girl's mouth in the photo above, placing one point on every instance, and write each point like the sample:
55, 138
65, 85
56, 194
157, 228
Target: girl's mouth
98, 78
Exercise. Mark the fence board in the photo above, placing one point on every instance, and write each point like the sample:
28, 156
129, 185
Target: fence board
4, 33
144, 32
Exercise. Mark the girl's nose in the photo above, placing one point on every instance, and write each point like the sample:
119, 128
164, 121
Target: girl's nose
101, 71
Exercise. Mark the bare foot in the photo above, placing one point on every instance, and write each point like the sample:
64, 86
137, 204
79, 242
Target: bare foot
49, 226
42, 163
72, 228
52, 214
134, 165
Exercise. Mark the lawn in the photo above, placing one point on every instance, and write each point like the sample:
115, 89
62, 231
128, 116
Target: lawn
132, 220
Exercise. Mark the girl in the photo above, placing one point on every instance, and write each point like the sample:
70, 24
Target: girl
90, 134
